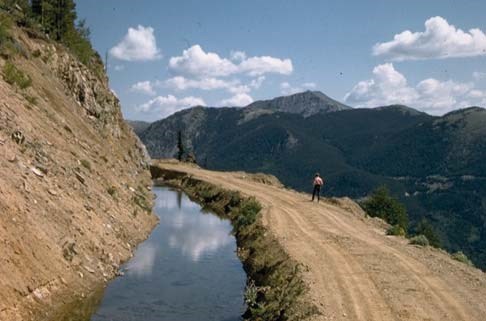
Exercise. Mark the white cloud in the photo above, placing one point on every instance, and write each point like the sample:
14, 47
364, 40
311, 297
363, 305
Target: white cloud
182, 83
233, 86
257, 82
195, 62
164, 106
143, 87
119, 67
139, 44
288, 89
479, 75
256, 66
439, 40
388, 86
238, 100
237, 55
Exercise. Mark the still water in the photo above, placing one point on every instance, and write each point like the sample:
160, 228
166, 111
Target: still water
187, 269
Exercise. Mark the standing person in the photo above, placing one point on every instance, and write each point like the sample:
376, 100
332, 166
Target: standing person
318, 182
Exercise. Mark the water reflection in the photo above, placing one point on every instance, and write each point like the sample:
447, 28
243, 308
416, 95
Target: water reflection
187, 270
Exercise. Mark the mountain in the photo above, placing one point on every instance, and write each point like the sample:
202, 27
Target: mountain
138, 126
432, 164
306, 103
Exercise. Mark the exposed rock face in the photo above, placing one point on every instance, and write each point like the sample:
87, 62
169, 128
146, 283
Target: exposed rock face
74, 184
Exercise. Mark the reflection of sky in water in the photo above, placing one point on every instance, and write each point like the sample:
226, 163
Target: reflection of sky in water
186, 271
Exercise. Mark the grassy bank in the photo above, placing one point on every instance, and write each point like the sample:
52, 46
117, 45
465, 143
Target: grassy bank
275, 286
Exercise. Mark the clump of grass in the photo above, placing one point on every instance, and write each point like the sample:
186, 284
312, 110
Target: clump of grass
142, 202
420, 240
112, 191
15, 76
396, 230
461, 257
36, 53
31, 99
86, 164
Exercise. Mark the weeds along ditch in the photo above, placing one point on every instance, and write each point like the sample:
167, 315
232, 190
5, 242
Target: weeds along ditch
275, 287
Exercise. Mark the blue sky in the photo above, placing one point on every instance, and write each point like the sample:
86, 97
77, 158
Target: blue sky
181, 53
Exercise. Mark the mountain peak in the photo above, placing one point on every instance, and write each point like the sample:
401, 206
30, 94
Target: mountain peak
305, 103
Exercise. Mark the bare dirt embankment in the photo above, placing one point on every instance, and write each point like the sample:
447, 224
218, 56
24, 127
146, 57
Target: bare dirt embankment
353, 270
74, 182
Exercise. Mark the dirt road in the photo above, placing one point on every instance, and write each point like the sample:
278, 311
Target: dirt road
355, 271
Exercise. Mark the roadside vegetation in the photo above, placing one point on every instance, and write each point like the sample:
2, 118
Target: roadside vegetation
384, 206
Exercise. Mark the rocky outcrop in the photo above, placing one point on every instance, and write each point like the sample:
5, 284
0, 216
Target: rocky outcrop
75, 194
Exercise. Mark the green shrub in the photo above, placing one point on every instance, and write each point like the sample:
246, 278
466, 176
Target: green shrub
461, 257
382, 205
396, 230
419, 240
15, 76
426, 229
247, 213
36, 53
86, 164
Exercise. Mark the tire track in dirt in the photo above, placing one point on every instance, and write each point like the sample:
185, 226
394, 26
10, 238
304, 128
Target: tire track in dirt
355, 272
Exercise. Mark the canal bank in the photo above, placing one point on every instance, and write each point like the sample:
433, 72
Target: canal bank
275, 287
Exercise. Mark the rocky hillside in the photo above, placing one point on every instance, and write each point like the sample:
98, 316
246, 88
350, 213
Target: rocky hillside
74, 186
432, 164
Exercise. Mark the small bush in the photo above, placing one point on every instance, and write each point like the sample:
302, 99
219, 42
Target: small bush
420, 240
247, 213
36, 53
425, 228
112, 191
382, 205
141, 202
461, 257
396, 230
31, 99
86, 164
15, 76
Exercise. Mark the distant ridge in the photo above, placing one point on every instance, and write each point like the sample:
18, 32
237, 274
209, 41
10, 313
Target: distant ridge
306, 103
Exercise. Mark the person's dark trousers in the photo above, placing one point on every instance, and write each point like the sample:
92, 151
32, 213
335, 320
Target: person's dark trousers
317, 190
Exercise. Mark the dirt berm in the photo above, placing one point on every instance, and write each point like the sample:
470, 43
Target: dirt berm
74, 181
352, 269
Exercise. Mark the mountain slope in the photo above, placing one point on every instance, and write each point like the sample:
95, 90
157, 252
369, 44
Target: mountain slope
74, 198
306, 103
432, 164
353, 270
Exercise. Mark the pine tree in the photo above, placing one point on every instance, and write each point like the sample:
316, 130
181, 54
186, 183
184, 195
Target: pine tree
180, 146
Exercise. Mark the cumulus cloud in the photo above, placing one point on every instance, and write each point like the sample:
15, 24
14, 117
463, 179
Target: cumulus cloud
139, 44
439, 40
238, 100
195, 62
257, 82
388, 86
143, 87
237, 55
479, 75
164, 106
288, 89
233, 86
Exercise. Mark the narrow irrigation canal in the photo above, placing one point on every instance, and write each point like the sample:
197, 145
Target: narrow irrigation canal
187, 270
